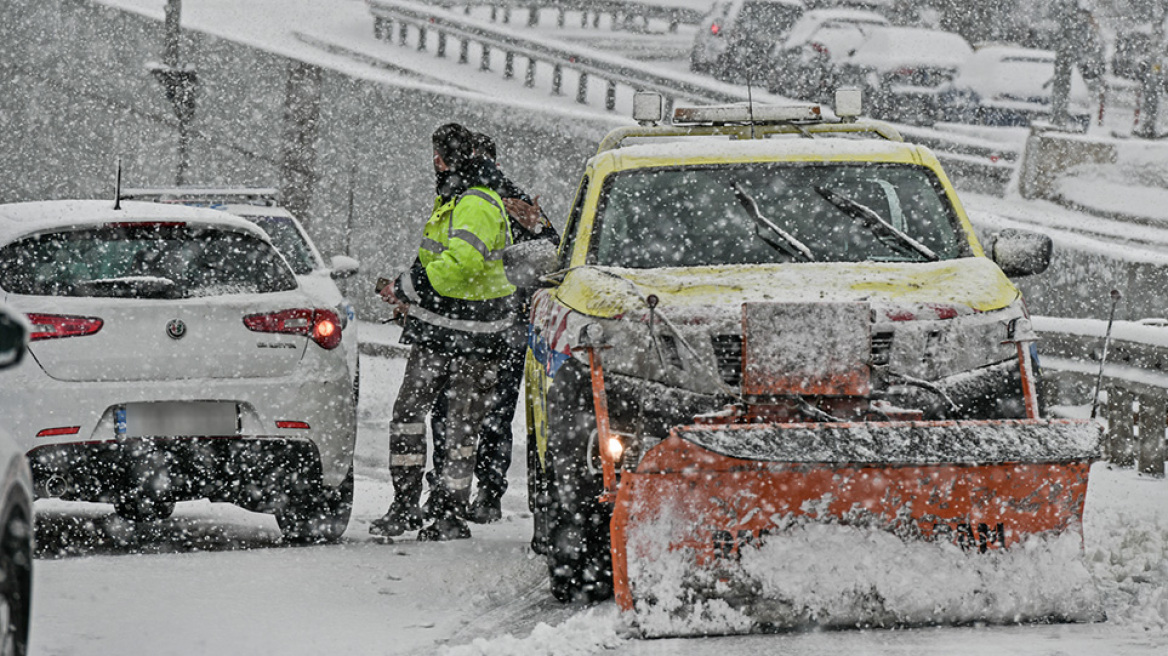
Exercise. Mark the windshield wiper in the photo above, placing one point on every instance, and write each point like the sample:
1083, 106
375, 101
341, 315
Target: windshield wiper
884, 231
789, 244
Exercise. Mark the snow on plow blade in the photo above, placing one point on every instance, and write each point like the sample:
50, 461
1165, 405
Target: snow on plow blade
747, 528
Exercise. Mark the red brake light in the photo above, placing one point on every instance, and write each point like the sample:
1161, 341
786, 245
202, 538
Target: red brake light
322, 326
292, 424
63, 430
820, 48
905, 71
715, 29
53, 326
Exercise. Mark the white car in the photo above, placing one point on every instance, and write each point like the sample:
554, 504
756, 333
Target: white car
1009, 85
16, 513
903, 69
174, 356
258, 205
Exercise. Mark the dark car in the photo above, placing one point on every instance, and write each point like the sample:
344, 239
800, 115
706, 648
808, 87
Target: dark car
16, 515
738, 35
804, 61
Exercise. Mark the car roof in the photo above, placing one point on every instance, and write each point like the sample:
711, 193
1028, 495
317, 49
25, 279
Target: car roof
714, 151
20, 219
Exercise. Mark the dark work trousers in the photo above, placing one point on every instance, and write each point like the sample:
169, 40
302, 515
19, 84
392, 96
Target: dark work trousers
470, 380
493, 455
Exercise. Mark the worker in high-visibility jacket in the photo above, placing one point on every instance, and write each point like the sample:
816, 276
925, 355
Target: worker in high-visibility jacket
456, 299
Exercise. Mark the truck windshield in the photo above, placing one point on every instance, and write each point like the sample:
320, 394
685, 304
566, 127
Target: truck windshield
694, 216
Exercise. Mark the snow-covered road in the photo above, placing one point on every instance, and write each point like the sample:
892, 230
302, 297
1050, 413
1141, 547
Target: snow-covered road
217, 580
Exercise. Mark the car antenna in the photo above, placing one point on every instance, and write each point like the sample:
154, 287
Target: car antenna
118, 186
750, 100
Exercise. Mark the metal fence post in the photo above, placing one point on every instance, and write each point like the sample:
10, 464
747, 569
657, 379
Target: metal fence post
464, 51
529, 77
382, 28
1153, 416
441, 45
582, 89
485, 60
557, 79
509, 65
610, 96
421, 38
403, 32
1120, 434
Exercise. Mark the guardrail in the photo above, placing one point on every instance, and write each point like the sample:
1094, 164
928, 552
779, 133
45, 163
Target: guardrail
623, 14
1133, 391
412, 24
989, 167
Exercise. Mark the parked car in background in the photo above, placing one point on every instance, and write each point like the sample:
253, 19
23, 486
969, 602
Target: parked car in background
738, 35
260, 206
902, 69
16, 514
803, 63
175, 356
1008, 85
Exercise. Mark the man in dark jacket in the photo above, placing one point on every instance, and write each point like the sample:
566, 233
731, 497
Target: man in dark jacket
459, 306
493, 455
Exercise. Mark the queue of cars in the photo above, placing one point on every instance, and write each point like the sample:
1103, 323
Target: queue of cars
176, 354
911, 74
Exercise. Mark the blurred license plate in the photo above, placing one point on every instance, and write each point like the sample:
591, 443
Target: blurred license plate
192, 418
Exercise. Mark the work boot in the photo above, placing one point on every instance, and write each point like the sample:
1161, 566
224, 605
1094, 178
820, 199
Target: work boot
485, 509
399, 519
447, 527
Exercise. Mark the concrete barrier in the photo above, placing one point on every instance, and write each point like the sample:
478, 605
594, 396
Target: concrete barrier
351, 154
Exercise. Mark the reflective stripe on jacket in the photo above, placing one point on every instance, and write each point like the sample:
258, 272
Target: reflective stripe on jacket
460, 298
462, 246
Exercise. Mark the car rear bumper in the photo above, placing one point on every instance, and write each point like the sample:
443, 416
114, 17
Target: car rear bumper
316, 405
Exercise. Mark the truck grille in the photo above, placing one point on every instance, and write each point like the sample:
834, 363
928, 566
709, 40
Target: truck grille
728, 354
881, 348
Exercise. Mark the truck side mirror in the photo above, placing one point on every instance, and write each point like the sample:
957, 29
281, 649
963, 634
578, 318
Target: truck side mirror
343, 267
1020, 253
525, 262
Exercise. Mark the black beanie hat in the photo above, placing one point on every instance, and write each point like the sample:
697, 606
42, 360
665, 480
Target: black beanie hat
453, 143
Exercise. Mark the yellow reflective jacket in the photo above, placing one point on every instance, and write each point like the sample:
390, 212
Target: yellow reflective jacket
462, 246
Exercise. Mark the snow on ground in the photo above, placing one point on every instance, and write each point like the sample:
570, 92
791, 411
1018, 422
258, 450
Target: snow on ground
215, 579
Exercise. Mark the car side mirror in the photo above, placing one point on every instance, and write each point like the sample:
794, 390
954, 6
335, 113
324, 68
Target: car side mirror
13, 337
1020, 253
343, 267
525, 262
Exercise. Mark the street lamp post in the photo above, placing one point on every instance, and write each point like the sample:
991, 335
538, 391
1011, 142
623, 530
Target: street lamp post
180, 83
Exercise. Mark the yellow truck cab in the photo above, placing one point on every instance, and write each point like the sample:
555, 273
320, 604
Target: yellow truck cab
744, 254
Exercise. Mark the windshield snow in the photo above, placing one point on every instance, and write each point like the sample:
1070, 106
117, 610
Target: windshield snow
771, 213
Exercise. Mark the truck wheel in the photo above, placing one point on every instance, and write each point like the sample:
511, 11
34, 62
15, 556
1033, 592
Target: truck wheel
538, 500
318, 515
579, 553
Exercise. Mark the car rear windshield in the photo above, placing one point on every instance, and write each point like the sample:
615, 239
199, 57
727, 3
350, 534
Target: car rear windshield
773, 213
143, 260
771, 19
289, 241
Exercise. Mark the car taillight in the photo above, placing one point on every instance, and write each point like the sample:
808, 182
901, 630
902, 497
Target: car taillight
54, 326
820, 48
715, 29
322, 326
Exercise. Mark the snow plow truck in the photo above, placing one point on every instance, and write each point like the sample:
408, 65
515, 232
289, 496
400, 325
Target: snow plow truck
774, 381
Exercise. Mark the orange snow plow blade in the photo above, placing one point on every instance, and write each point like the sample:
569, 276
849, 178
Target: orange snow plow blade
756, 527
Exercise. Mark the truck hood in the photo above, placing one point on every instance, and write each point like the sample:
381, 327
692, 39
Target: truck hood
608, 292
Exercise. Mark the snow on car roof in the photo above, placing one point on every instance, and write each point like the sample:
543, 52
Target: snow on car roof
812, 20
18, 219
703, 150
891, 46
